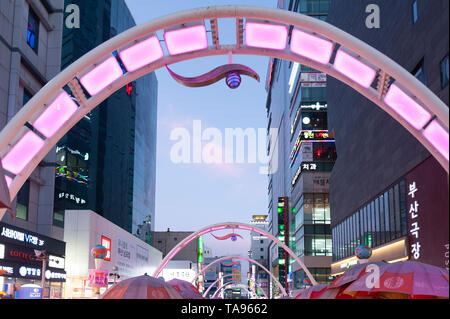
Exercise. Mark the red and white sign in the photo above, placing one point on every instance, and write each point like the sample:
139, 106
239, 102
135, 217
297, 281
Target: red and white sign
98, 278
106, 242
313, 77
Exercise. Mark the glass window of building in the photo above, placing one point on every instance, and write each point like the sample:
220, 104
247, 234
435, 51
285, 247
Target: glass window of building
444, 65
313, 94
415, 13
33, 30
314, 120
23, 198
382, 225
58, 219
419, 71
324, 151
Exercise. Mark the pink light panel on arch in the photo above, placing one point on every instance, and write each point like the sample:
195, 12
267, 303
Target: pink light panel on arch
141, 54
406, 107
264, 35
22, 153
354, 69
311, 47
186, 39
101, 76
438, 137
8, 181
55, 115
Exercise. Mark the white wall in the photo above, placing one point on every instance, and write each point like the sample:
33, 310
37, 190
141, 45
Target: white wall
83, 230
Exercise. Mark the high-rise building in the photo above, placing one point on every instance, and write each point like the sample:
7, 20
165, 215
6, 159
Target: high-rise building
106, 162
30, 55
299, 189
259, 252
30, 49
386, 190
165, 241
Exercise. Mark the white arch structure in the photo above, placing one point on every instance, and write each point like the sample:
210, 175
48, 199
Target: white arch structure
250, 261
214, 283
233, 226
282, 34
231, 285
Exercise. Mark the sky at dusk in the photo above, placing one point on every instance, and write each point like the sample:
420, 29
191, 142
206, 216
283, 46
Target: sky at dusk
195, 195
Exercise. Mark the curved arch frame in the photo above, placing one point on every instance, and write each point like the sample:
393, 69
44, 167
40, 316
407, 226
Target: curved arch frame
221, 226
250, 261
227, 286
385, 67
214, 283
220, 278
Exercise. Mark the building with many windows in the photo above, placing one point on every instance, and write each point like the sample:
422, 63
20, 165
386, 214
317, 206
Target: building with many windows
298, 190
30, 55
386, 190
101, 160
259, 251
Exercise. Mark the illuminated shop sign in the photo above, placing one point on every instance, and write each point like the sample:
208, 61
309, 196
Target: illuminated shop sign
313, 77
310, 136
74, 152
31, 272
2, 251
314, 135
200, 249
72, 197
316, 106
311, 167
63, 171
56, 262
414, 224
106, 242
21, 236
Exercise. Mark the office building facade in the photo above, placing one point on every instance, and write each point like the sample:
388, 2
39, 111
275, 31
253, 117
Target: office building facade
299, 190
101, 160
386, 190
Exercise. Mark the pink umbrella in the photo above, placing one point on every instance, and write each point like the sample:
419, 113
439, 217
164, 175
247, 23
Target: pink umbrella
142, 287
312, 292
185, 289
415, 279
352, 274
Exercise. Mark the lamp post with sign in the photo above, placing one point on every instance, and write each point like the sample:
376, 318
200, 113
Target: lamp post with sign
42, 255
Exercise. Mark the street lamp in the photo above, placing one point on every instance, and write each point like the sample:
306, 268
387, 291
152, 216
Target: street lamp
115, 274
42, 255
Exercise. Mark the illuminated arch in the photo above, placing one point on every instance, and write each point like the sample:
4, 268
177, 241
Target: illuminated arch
214, 283
220, 278
51, 113
231, 285
221, 226
250, 261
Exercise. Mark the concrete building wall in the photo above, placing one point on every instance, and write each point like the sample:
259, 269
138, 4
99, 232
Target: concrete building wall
24, 69
165, 241
373, 150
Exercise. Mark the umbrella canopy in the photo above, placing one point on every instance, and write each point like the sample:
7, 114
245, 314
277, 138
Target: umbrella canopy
142, 287
185, 289
410, 278
312, 292
353, 273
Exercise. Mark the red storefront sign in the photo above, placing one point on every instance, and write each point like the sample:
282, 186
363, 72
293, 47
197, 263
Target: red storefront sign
427, 208
98, 278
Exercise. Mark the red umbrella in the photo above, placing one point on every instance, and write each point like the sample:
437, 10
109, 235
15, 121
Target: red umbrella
186, 289
312, 292
142, 287
407, 279
352, 274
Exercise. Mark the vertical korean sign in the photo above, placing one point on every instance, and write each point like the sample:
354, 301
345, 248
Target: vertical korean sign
200, 262
427, 207
283, 236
